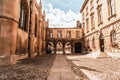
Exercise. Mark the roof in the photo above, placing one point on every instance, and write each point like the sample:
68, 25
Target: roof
84, 4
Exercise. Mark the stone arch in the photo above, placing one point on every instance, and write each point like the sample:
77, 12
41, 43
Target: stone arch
59, 47
68, 47
50, 47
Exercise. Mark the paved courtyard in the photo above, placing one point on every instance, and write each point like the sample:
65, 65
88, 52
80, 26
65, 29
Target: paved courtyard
63, 67
99, 68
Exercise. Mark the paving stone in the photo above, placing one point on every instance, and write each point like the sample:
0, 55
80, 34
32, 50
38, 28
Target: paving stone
98, 69
28, 69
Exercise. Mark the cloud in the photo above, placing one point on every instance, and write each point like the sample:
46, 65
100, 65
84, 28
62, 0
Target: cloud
59, 18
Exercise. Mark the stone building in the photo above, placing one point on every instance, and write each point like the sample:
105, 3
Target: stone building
101, 25
64, 40
22, 24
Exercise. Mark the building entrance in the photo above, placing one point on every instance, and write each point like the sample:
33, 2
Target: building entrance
101, 43
78, 47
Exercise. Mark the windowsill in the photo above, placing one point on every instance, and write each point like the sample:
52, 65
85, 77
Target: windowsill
100, 23
114, 15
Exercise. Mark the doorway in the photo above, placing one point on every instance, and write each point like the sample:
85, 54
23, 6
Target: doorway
101, 39
78, 47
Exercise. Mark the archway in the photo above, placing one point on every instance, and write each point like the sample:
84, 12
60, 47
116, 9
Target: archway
50, 48
101, 42
59, 48
78, 47
68, 48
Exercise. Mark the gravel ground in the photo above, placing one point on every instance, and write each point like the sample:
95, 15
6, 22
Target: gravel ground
29, 69
101, 69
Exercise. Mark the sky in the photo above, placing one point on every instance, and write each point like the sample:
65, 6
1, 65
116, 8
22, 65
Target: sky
62, 13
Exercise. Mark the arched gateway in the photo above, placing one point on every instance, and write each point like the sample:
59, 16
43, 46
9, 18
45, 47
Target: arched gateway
64, 40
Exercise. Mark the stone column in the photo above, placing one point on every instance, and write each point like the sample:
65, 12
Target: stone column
63, 47
39, 38
31, 29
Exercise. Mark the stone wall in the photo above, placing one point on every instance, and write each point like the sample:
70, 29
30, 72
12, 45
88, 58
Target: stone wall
107, 38
8, 34
22, 42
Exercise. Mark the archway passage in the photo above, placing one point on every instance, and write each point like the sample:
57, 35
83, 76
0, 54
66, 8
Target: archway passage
78, 47
101, 42
68, 48
50, 48
59, 48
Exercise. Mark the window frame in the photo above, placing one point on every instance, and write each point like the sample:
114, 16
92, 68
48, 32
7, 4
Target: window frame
23, 18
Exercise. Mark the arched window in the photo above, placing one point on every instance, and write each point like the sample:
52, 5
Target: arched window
113, 36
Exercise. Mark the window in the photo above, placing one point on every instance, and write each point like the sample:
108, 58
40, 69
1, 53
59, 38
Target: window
87, 25
88, 43
92, 21
51, 34
84, 26
68, 35
98, 1
83, 16
93, 42
23, 17
86, 11
91, 4
77, 34
111, 7
35, 25
100, 14
113, 36
59, 34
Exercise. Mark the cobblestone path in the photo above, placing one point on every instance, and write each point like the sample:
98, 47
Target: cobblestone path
28, 69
